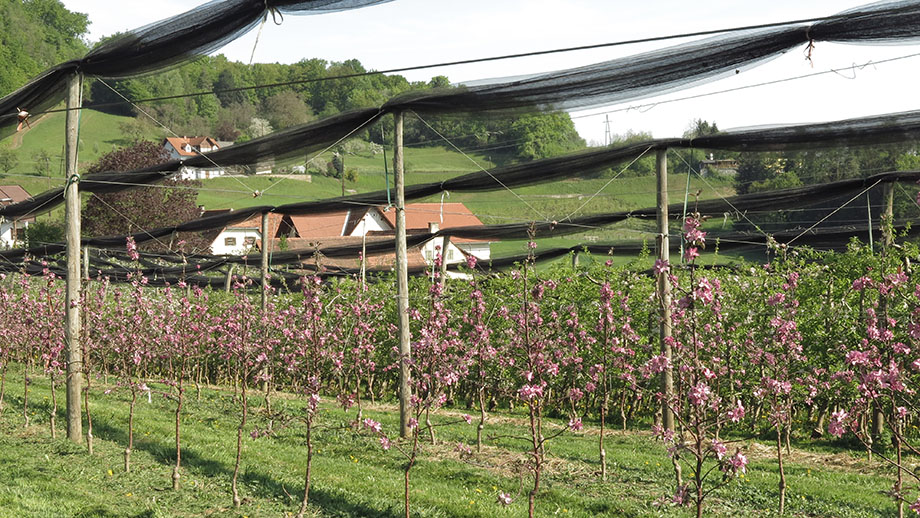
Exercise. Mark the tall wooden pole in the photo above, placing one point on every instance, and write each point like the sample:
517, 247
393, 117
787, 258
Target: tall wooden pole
402, 279
664, 288
72, 297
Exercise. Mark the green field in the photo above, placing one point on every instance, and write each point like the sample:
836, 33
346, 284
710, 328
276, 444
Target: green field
353, 477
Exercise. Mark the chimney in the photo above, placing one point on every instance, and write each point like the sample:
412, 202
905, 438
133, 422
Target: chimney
433, 227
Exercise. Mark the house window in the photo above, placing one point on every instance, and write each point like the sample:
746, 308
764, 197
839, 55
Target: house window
249, 241
450, 254
229, 241
428, 254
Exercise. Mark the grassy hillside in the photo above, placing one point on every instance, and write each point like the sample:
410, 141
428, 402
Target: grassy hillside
99, 134
353, 477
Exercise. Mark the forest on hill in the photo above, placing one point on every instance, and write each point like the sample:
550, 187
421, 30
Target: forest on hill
37, 34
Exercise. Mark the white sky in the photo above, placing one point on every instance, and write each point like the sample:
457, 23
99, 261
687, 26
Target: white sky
414, 32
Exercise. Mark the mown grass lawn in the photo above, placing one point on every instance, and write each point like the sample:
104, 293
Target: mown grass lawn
354, 477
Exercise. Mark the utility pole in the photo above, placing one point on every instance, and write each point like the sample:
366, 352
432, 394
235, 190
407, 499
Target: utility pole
402, 278
72, 297
606, 130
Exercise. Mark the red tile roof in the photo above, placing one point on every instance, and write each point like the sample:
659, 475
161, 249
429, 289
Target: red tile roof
316, 226
195, 142
418, 215
12, 194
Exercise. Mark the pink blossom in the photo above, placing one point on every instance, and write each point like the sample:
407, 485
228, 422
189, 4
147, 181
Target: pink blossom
529, 392
661, 266
575, 424
471, 261
862, 283
681, 496
413, 423
718, 447
657, 364
776, 299
691, 253
575, 394
373, 425
468, 418
385, 442
857, 357
836, 425
699, 394
915, 507
463, 449
737, 463
737, 413
504, 499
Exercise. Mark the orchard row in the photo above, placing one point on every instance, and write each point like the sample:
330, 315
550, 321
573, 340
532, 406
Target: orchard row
805, 345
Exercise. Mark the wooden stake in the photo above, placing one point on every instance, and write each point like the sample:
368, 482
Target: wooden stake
363, 253
664, 288
402, 279
86, 263
266, 245
72, 297
445, 244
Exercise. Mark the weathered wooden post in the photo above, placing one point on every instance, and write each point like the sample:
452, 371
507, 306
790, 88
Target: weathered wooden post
72, 297
402, 279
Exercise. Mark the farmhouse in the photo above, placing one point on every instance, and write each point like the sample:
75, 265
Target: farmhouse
351, 227
180, 148
9, 230
243, 237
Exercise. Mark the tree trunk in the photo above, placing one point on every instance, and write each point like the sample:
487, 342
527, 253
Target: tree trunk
130, 430
306, 482
239, 447
175, 474
782, 473
53, 412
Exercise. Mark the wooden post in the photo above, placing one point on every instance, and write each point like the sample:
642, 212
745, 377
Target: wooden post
266, 245
887, 222
402, 279
72, 297
86, 263
229, 280
445, 244
363, 253
664, 288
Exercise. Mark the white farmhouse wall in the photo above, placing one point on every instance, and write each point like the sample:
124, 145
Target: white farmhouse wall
482, 251
6, 232
239, 236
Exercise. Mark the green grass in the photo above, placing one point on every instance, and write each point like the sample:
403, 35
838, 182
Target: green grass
100, 133
353, 477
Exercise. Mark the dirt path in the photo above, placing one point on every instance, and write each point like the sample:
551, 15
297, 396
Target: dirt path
16, 142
